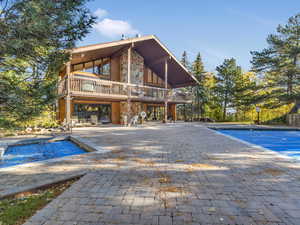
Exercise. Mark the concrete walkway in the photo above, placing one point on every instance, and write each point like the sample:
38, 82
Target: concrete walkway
177, 174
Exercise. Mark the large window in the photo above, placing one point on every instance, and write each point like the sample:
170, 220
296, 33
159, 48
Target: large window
100, 67
92, 113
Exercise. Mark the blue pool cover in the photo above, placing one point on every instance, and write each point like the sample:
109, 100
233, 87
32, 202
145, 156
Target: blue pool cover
21, 154
284, 142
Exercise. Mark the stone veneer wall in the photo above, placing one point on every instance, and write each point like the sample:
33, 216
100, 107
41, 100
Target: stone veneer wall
136, 77
136, 108
137, 68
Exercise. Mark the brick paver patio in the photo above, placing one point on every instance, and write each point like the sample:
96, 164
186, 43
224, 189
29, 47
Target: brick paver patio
177, 174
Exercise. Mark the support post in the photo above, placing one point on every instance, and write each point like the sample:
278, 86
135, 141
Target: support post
128, 85
68, 97
184, 112
166, 87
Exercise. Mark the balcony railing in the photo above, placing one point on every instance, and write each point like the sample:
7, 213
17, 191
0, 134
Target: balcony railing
86, 86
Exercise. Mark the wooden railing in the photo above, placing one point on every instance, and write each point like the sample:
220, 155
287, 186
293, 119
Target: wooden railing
147, 92
81, 85
86, 86
179, 96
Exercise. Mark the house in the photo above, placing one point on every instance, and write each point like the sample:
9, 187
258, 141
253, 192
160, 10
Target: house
112, 82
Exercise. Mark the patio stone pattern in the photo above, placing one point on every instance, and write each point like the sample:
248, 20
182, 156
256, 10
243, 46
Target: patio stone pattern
179, 173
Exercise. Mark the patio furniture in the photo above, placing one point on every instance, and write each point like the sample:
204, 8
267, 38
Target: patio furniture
105, 120
94, 119
134, 120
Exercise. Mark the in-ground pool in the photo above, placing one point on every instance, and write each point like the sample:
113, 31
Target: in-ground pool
286, 142
21, 154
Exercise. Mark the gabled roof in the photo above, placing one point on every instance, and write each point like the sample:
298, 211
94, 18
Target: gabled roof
149, 47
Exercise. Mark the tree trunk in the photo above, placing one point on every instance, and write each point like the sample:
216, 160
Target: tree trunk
225, 106
290, 84
199, 110
224, 110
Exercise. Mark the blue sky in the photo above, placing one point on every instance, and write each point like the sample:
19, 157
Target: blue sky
217, 29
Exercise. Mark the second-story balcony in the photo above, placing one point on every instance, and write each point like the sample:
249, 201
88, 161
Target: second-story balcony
88, 86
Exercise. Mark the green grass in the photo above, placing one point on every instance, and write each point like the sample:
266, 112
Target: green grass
15, 210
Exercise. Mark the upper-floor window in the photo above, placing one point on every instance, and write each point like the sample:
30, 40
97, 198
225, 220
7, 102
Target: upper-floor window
104, 67
153, 79
100, 67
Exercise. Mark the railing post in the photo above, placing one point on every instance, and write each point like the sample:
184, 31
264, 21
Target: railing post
166, 93
68, 97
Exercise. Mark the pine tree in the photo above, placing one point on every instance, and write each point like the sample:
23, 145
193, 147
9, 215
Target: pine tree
187, 110
228, 75
199, 91
184, 60
279, 62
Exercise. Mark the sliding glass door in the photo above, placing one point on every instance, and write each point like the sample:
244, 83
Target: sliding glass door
92, 113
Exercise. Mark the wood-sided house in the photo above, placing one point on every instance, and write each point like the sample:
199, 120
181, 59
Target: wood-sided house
112, 82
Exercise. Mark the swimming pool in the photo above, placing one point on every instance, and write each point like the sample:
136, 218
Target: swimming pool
27, 153
285, 142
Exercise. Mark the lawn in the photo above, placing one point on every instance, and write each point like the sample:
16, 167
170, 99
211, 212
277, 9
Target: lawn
15, 210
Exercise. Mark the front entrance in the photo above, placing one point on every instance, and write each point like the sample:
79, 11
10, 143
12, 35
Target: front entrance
92, 113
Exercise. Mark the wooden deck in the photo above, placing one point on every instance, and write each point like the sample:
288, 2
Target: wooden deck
84, 86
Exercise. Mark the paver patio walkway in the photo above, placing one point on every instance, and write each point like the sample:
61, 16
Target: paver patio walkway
177, 174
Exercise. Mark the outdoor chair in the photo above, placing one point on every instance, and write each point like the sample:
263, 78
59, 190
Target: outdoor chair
134, 120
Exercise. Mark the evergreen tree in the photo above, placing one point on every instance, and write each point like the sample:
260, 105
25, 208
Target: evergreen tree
186, 110
184, 60
228, 75
199, 91
34, 35
279, 62
244, 93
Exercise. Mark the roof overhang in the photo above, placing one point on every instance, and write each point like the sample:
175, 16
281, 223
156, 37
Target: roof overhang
150, 48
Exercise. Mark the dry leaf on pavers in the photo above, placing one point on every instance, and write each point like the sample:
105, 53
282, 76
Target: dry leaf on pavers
179, 161
172, 189
211, 209
241, 203
204, 166
271, 171
116, 151
120, 158
143, 161
164, 180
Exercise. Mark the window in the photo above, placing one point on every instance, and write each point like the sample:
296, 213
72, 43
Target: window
149, 80
154, 78
88, 67
78, 67
99, 66
160, 82
105, 68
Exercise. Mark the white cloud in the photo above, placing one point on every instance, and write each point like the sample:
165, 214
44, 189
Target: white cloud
100, 13
114, 28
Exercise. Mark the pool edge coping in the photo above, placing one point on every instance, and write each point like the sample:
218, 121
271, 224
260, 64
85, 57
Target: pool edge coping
249, 144
88, 146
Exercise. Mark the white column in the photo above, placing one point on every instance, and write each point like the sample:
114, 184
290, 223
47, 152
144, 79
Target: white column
68, 97
128, 85
128, 65
166, 86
